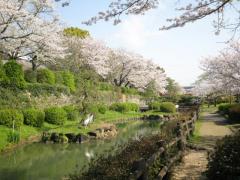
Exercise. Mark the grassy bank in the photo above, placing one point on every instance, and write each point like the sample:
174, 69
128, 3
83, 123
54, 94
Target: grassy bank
26, 132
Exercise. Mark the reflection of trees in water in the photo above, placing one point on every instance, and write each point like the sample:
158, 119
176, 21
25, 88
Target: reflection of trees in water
52, 161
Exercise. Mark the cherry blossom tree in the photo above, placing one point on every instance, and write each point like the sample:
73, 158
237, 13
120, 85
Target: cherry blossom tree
221, 73
30, 29
189, 12
120, 67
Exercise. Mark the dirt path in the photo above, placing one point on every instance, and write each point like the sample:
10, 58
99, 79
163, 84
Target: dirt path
194, 163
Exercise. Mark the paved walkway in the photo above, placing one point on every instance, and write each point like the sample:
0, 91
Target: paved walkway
194, 163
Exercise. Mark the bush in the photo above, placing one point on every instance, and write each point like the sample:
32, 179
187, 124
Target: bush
91, 108
124, 107
224, 162
106, 87
15, 74
55, 115
8, 117
13, 137
30, 76
224, 108
168, 107
72, 113
102, 108
154, 106
45, 76
33, 117
3, 77
37, 89
187, 100
14, 99
132, 91
68, 80
234, 113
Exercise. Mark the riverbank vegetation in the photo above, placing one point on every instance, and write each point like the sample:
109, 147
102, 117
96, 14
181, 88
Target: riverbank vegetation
53, 98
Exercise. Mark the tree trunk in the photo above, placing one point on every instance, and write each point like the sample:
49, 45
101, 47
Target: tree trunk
34, 64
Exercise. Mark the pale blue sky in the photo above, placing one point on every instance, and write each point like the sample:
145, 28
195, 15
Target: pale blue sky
178, 51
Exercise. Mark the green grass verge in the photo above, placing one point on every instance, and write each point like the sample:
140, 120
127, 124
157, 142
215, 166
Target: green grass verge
70, 126
211, 109
196, 135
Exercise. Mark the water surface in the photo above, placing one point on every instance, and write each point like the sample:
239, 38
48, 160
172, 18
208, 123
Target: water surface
54, 161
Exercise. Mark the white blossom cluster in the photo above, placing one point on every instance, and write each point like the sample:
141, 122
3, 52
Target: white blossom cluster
121, 67
30, 28
188, 12
221, 73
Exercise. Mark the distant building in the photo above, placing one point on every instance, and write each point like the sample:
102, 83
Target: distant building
188, 90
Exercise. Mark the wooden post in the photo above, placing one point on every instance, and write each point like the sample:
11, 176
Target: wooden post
180, 134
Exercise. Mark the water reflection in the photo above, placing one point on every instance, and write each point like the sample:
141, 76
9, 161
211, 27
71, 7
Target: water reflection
53, 161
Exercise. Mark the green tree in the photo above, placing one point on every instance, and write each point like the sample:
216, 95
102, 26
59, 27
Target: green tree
77, 32
173, 89
150, 92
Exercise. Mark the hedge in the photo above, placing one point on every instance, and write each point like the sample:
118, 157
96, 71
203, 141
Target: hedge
168, 107
224, 162
124, 107
14, 74
72, 113
234, 113
8, 116
33, 117
224, 108
55, 115
45, 76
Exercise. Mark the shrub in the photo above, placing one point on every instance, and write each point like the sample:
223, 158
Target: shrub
106, 87
126, 90
30, 76
187, 100
8, 117
3, 77
234, 113
33, 117
15, 74
68, 80
168, 107
39, 89
224, 108
13, 137
154, 105
224, 162
45, 76
72, 113
102, 108
124, 107
91, 108
15, 99
55, 115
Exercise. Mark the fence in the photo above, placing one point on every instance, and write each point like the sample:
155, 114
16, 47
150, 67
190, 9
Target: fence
185, 129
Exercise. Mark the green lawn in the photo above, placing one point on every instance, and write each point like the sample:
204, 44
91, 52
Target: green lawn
70, 126
211, 109
196, 135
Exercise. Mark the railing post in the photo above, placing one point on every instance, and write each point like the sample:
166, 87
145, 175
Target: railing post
180, 134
